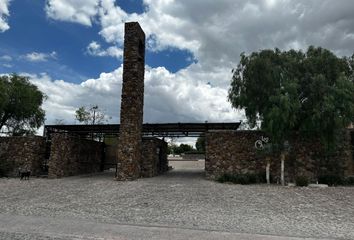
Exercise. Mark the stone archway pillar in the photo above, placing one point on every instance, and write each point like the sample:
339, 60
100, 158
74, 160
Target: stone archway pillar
132, 104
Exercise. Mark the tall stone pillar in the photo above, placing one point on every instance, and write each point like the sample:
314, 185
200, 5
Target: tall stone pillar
131, 112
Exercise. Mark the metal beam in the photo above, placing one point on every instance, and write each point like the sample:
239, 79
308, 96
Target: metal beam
157, 129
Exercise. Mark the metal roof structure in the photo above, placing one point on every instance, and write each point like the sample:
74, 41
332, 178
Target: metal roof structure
156, 129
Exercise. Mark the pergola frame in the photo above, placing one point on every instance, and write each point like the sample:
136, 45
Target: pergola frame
149, 130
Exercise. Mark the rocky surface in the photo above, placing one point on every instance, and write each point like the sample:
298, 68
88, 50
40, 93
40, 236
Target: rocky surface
71, 156
154, 157
184, 199
26, 153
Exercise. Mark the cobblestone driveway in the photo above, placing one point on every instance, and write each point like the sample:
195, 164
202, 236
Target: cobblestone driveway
183, 198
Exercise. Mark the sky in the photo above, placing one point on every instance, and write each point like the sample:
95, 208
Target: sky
72, 49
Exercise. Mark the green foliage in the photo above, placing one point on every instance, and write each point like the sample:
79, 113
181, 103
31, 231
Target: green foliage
182, 148
240, 178
200, 144
295, 91
331, 180
91, 115
20, 105
349, 181
194, 152
335, 180
301, 181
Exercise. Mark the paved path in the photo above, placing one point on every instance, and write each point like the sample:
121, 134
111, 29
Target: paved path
178, 205
21, 227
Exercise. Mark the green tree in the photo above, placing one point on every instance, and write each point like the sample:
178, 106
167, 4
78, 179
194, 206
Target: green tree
20, 106
182, 148
200, 144
91, 115
288, 91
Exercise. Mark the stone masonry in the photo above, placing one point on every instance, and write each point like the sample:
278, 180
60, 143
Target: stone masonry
153, 160
234, 152
154, 157
73, 156
26, 153
132, 103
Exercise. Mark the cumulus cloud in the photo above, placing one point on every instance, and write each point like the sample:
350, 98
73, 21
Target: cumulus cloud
169, 97
78, 11
4, 13
39, 57
216, 33
95, 49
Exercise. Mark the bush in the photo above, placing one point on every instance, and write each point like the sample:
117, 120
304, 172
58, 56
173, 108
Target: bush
194, 152
349, 181
302, 181
331, 180
223, 178
239, 178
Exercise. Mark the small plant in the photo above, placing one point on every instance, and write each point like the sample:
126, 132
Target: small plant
331, 180
349, 181
243, 179
223, 178
302, 181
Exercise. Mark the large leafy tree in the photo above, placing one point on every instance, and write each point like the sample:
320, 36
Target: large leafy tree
291, 90
286, 91
20, 106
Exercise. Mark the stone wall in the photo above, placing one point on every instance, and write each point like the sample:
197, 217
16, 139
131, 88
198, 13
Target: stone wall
234, 152
132, 103
27, 153
71, 156
154, 157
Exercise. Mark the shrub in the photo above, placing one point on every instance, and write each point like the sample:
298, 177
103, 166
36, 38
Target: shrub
223, 178
349, 181
239, 178
331, 180
302, 181
262, 177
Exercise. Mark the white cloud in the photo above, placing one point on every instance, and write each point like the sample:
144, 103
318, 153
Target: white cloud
216, 33
6, 58
39, 57
109, 13
4, 13
78, 11
7, 65
168, 97
95, 49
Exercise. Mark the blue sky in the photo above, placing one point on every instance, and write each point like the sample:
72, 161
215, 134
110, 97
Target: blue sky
72, 49
32, 31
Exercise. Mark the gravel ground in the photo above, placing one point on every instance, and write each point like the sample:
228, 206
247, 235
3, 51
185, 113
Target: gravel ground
183, 198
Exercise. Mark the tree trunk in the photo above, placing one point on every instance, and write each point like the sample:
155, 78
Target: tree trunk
268, 170
282, 159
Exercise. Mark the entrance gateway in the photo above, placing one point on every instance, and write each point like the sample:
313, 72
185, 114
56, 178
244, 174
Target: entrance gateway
135, 155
